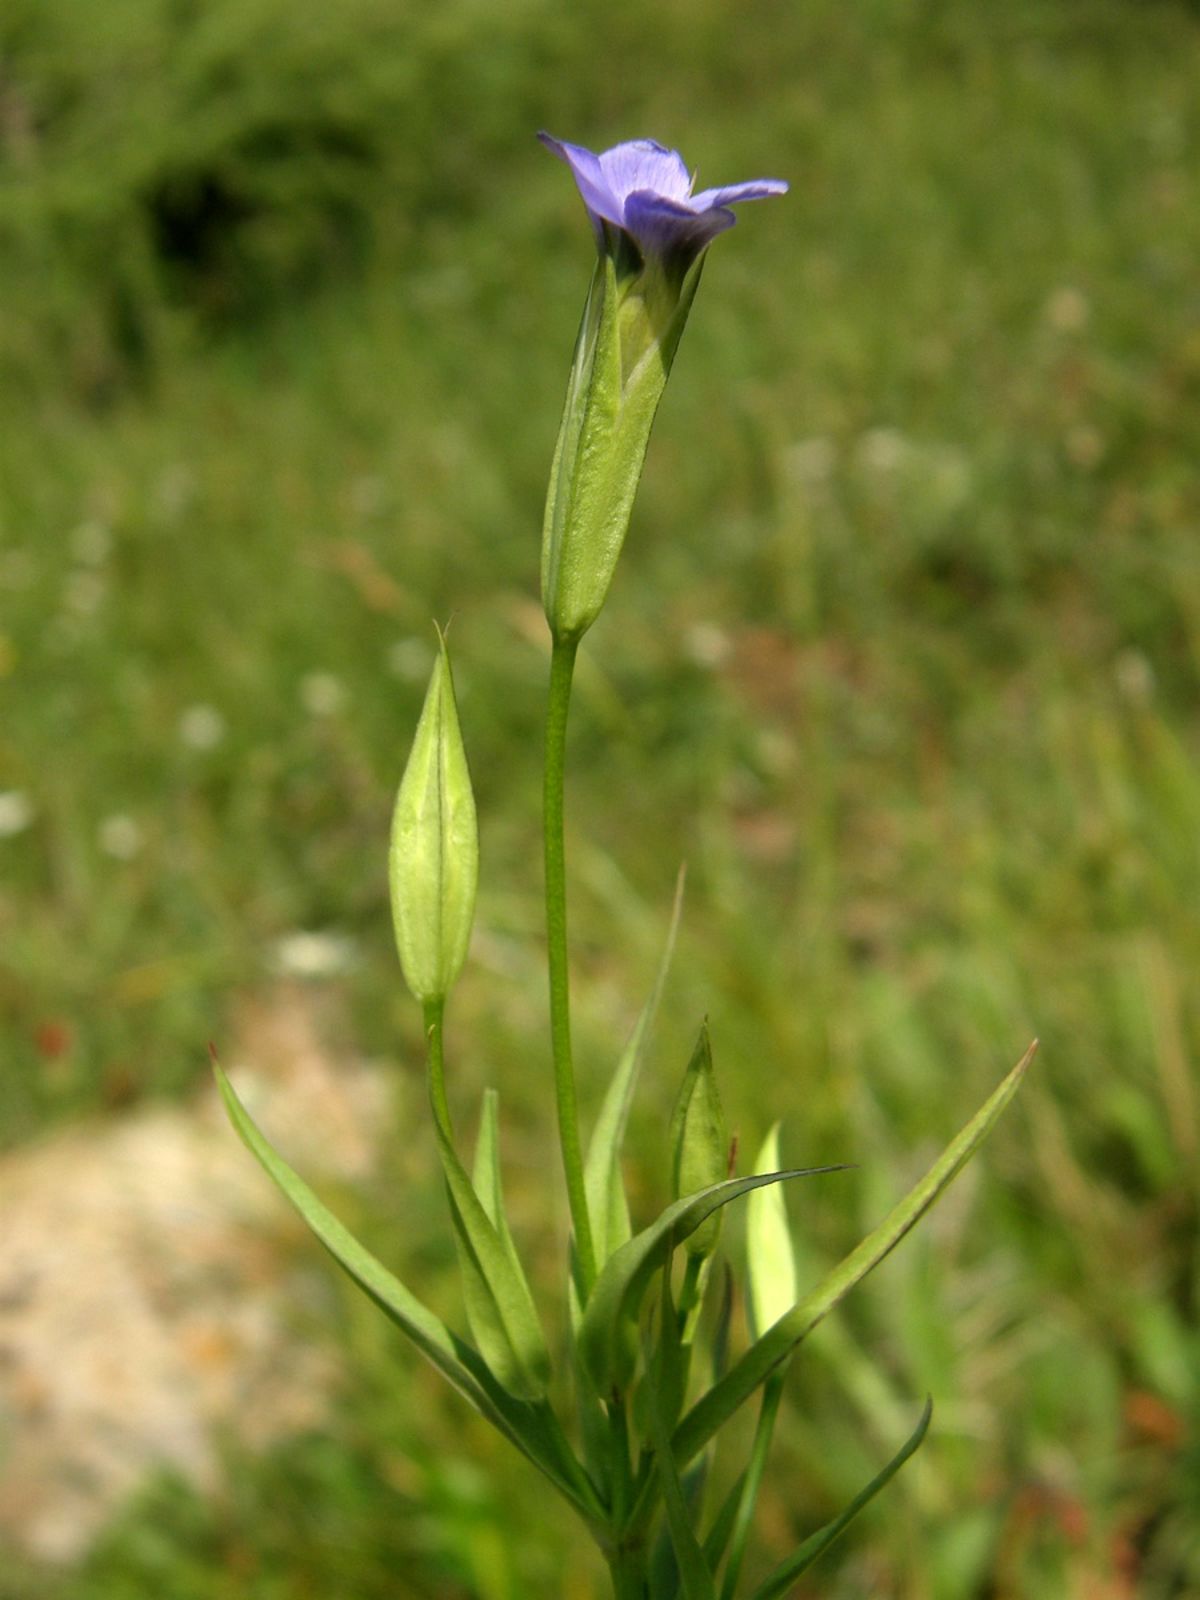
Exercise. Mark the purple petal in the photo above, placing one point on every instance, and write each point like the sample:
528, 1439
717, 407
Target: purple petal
662, 226
643, 164
593, 186
757, 189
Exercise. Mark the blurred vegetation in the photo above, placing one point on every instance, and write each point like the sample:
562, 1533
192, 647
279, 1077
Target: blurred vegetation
903, 657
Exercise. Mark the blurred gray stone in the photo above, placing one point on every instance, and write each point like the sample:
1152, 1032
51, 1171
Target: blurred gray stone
149, 1285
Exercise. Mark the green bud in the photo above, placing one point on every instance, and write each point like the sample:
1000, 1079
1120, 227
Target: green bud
634, 318
699, 1141
770, 1259
433, 863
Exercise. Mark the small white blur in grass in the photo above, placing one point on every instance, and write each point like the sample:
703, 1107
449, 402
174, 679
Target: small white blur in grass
120, 836
201, 727
314, 953
410, 659
321, 694
16, 812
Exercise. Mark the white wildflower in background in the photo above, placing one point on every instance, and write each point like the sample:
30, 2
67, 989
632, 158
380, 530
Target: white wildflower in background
707, 645
16, 812
321, 694
313, 954
410, 659
201, 727
120, 836
882, 450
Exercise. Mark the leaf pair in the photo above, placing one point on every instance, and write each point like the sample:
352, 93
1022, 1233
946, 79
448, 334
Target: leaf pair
532, 1428
499, 1304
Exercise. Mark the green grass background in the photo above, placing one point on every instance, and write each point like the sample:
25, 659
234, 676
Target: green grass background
903, 657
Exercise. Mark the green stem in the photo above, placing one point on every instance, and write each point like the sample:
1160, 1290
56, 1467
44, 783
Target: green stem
772, 1392
434, 1012
562, 667
627, 1568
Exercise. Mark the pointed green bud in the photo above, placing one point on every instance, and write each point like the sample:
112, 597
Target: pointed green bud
699, 1141
770, 1259
634, 318
433, 864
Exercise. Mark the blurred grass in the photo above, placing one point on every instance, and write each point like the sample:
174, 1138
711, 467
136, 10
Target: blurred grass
903, 657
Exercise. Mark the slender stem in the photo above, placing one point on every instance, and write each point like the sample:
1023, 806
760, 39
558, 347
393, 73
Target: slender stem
622, 1476
772, 1391
434, 1012
562, 667
627, 1568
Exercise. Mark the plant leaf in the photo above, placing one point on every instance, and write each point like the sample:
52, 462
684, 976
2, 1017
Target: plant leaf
770, 1258
533, 1430
788, 1571
718, 1535
617, 1295
774, 1346
602, 1172
499, 1304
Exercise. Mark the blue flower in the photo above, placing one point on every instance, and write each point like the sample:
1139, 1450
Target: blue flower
645, 190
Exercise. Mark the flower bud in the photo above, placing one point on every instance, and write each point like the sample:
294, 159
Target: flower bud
651, 233
433, 863
699, 1141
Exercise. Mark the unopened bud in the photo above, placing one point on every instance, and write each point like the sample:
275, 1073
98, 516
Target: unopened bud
433, 863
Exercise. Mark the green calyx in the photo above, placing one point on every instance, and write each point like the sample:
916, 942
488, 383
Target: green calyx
632, 323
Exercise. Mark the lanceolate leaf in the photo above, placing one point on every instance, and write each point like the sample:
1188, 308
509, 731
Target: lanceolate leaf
618, 1293
486, 1177
602, 1174
796, 1565
499, 1304
533, 1429
774, 1346
770, 1258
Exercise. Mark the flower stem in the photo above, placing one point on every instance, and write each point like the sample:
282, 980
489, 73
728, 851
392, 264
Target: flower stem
562, 667
434, 1011
627, 1568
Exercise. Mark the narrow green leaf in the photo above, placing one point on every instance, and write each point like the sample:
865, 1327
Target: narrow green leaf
533, 1430
617, 1296
718, 1535
664, 1565
770, 1258
774, 1346
500, 1307
796, 1565
602, 1173
752, 1482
